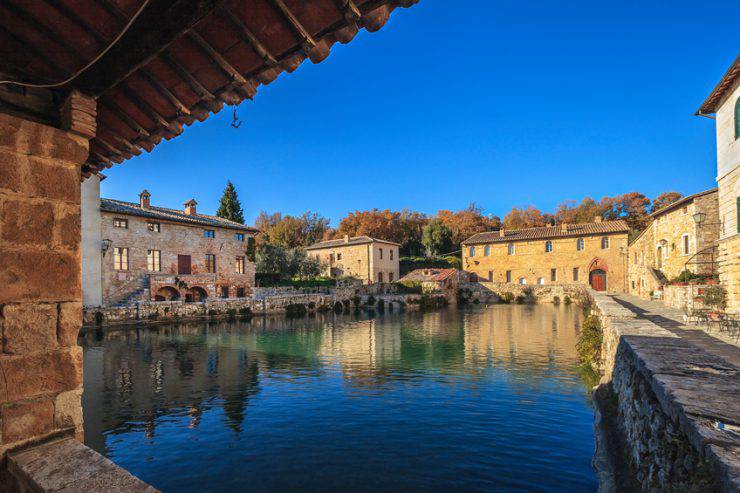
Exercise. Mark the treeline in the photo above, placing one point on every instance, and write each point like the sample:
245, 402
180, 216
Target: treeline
441, 233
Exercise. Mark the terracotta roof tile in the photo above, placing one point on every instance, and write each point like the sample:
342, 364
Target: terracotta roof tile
546, 232
165, 214
428, 275
355, 240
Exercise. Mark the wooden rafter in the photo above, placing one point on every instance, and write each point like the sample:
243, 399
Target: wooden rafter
164, 91
249, 37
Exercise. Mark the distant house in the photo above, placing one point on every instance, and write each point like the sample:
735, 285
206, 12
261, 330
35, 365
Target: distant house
369, 259
145, 252
436, 279
674, 241
594, 254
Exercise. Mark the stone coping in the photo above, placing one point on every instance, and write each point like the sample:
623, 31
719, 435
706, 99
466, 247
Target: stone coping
66, 465
698, 390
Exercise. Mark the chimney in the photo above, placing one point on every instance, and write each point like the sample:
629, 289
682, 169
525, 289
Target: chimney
144, 197
501, 232
346, 238
190, 207
597, 219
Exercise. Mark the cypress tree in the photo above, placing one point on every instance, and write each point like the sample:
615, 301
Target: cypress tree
229, 206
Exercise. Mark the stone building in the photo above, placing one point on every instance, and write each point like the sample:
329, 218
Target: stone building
673, 242
365, 258
592, 253
724, 103
432, 279
150, 252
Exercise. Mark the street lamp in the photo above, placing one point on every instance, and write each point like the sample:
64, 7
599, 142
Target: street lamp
699, 218
105, 245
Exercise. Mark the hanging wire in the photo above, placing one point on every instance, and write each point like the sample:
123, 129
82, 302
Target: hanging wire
90, 64
236, 122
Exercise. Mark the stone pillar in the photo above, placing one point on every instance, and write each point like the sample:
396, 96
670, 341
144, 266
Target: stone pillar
40, 294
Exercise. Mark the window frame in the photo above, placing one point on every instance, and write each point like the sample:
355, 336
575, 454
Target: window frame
511, 249
471, 251
152, 261
209, 233
554, 275
239, 236
119, 222
487, 251
241, 264
120, 254
576, 274
685, 244
210, 263
605, 243
548, 246
580, 244
153, 227
508, 276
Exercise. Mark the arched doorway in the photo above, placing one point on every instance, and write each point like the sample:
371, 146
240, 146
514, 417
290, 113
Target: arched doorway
167, 293
597, 279
196, 293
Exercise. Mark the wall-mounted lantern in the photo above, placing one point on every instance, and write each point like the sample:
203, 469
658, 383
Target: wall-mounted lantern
105, 245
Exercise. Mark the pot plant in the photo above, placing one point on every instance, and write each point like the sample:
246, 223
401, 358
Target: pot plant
715, 298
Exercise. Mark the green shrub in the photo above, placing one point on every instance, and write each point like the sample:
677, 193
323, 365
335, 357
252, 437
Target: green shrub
211, 312
371, 300
715, 297
312, 306
686, 276
589, 342
346, 304
520, 299
231, 312
153, 316
556, 300
407, 264
338, 307
567, 300
245, 311
408, 287
507, 297
296, 310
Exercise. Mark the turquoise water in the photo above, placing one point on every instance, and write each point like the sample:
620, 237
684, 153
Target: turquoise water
481, 399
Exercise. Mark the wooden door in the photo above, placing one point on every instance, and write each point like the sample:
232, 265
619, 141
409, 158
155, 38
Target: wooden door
598, 280
183, 264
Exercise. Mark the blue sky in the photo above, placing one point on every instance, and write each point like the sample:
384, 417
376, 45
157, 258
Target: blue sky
504, 103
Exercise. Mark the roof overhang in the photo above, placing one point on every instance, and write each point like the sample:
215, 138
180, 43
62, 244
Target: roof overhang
177, 62
723, 88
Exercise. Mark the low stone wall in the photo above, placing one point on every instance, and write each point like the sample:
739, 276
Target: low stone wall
684, 297
493, 292
675, 405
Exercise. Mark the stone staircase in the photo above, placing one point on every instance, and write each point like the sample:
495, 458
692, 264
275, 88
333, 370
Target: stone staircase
138, 290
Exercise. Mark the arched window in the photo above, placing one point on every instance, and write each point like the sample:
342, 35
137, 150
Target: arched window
522, 280
511, 249
737, 118
605, 243
580, 244
548, 246
472, 251
487, 250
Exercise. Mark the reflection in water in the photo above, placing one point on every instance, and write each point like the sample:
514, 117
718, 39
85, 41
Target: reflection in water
454, 400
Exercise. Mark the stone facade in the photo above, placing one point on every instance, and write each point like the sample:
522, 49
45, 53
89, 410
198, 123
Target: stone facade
724, 102
140, 279
527, 261
41, 298
362, 257
92, 256
670, 243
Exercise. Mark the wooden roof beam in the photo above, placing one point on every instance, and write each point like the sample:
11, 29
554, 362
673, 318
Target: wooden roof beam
249, 37
146, 140
146, 108
210, 99
124, 153
174, 100
238, 82
316, 51
161, 23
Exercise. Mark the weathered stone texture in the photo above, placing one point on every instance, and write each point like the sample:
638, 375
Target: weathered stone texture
39, 373
29, 327
21, 420
26, 223
363, 261
68, 409
38, 275
69, 323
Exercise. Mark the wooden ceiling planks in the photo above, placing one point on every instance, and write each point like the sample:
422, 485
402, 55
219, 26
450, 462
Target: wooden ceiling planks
180, 61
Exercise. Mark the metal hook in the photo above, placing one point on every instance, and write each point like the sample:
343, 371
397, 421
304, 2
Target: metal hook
236, 122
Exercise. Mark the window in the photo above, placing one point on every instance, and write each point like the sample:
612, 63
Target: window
737, 118
224, 291
685, 243
153, 260
575, 273
541, 280
580, 244
153, 227
508, 276
120, 258
390, 276
490, 275
239, 236
548, 246
120, 223
339, 256
331, 258
381, 254
391, 253
240, 292
633, 284
553, 275
605, 243
380, 277
240, 265
209, 233
511, 249
487, 250
210, 263
522, 280
472, 251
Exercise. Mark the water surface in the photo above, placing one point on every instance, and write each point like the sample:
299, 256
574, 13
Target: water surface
481, 399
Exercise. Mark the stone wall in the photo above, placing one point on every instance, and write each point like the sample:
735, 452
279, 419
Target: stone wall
667, 398
40, 298
361, 261
684, 297
492, 292
534, 265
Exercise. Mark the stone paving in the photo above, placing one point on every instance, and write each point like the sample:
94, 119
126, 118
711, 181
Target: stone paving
672, 319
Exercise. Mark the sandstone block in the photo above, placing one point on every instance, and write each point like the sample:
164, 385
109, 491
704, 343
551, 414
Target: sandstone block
11, 174
38, 275
26, 137
34, 374
26, 223
70, 322
29, 327
22, 420
68, 409
54, 181
67, 229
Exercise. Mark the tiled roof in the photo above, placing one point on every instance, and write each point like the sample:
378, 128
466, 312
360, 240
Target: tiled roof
726, 84
165, 214
355, 240
682, 201
428, 275
548, 232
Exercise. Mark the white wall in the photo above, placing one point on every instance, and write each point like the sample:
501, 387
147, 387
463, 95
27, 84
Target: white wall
92, 290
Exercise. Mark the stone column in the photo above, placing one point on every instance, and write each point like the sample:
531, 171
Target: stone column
40, 294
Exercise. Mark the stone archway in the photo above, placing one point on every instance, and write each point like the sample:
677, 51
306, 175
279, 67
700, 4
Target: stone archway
167, 293
196, 293
597, 274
